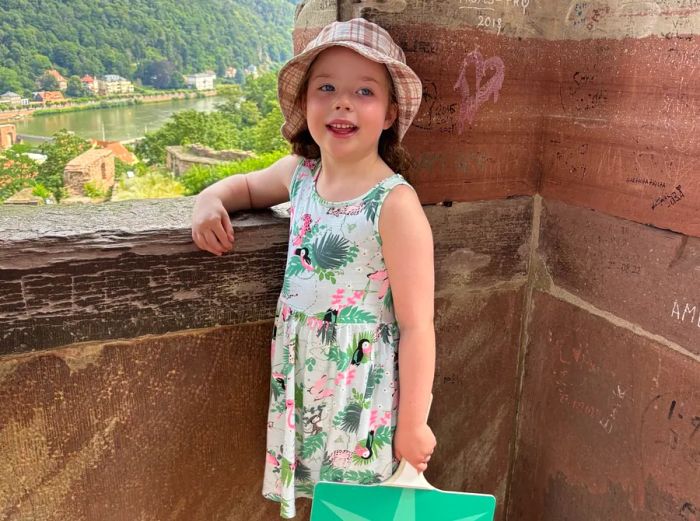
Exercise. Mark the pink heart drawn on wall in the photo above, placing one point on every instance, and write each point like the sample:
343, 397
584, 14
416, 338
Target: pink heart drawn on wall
470, 103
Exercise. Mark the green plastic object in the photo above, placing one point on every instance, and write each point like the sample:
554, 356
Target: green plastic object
406, 496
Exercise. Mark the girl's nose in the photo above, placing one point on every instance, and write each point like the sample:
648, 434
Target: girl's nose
342, 103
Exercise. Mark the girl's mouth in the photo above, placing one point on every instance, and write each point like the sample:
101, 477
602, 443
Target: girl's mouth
342, 130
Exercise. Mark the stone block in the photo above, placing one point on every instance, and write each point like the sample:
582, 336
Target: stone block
162, 427
609, 423
641, 274
475, 392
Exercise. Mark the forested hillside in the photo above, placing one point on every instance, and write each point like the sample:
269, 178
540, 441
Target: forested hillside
125, 36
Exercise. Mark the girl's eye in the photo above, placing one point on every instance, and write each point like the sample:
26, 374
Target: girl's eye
323, 87
365, 91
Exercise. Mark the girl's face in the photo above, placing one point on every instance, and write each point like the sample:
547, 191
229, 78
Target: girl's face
347, 103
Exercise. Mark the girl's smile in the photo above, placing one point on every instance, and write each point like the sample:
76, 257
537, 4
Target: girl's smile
342, 128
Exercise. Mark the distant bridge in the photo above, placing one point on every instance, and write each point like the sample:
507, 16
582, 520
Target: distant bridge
33, 138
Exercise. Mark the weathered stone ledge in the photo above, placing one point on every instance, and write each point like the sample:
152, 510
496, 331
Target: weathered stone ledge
122, 270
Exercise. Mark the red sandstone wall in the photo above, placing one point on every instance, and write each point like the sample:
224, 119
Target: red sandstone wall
595, 104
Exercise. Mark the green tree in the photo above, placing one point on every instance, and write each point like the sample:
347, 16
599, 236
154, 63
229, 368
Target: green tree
161, 74
76, 89
17, 171
10, 80
198, 177
64, 147
48, 82
262, 91
38, 63
83, 37
266, 134
183, 128
152, 184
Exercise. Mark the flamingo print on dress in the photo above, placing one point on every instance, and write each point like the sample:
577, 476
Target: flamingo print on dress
319, 391
383, 277
272, 460
305, 227
290, 413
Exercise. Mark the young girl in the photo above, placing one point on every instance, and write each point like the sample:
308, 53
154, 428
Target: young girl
357, 297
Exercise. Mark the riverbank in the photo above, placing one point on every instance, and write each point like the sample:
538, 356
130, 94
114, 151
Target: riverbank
10, 116
124, 121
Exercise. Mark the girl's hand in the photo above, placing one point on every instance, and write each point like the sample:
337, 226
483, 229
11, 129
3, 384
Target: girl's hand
414, 443
211, 226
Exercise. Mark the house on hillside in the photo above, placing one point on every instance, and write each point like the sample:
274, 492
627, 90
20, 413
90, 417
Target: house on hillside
230, 72
113, 84
12, 99
89, 83
251, 70
201, 80
45, 96
62, 82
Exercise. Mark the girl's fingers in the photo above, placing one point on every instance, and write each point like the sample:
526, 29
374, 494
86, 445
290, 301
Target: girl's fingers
199, 241
212, 243
222, 236
226, 223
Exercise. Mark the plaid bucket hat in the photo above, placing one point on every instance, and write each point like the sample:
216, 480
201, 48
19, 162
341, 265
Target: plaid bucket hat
367, 39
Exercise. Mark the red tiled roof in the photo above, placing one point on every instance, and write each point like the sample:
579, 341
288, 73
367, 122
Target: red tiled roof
50, 95
119, 150
87, 79
55, 74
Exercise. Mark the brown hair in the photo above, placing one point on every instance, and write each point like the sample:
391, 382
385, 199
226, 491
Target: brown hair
390, 148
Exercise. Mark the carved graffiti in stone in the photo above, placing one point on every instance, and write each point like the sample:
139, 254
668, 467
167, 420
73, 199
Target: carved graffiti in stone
471, 101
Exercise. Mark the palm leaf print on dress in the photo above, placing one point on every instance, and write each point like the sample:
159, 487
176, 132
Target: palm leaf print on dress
349, 418
330, 252
372, 201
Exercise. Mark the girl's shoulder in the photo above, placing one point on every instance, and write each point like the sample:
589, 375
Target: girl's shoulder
303, 173
400, 197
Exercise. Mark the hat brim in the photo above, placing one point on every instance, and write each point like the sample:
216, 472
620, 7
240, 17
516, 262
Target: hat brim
407, 86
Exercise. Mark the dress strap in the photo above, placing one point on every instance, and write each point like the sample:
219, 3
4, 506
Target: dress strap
305, 172
385, 189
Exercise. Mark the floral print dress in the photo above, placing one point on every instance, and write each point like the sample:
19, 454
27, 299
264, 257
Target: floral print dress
334, 380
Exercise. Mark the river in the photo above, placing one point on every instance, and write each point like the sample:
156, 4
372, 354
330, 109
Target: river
115, 123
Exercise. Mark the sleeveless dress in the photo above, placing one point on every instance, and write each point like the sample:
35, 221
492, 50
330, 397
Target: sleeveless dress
334, 381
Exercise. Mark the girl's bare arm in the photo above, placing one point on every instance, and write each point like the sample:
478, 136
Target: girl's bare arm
407, 247
211, 226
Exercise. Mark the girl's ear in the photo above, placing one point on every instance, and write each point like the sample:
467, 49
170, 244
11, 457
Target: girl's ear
391, 115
